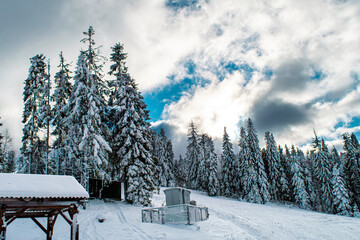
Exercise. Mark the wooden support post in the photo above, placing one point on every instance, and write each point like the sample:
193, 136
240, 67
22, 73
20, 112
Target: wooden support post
50, 226
74, 228
74, 235
2, 224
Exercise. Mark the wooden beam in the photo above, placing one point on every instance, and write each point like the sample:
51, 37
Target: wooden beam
2, 223
17, 214
65, 217
39, 224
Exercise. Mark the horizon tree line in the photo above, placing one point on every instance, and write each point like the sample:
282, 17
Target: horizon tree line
320, 180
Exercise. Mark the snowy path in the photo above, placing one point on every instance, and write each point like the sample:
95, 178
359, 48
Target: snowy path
229, 220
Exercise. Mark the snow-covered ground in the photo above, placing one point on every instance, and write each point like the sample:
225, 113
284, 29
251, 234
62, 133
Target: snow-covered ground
229, 219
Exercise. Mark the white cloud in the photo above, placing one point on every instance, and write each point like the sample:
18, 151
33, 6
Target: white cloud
263, 34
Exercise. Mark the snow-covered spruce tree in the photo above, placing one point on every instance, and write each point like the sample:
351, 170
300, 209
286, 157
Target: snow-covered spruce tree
192, 157
300, 195
276, 177
352, 171
341, 201
309, 177
306, 172
94, 61
131, 134
32, 160
61, 95
284, 194
208, 168
203, 163
256, 160
2, 165
45, 118
230, 167
10, 162
248, 187
322, 176
212, 164
180, 171
117, 89
87, 149
165, 155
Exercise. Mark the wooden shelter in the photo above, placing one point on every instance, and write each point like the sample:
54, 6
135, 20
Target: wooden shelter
40, 196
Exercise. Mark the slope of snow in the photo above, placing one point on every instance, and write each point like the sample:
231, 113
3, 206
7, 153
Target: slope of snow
229, 219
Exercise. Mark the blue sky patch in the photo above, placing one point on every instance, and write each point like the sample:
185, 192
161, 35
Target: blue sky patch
172, 92
355, 121
355, 76
317, 74
177, 5
231, 67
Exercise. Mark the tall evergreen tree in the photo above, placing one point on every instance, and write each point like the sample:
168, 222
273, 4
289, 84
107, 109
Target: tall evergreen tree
118, 88
131, 134
94, 62
203, 163
322, 176
208, 168
192, 157
86, 147
286, 159
180, 172
32, 160
60, 97
285, 190
300, 195
10, 162
45, 118
247, 186
352, 171
165, 156
256, 160
1, 151
310, 180
211, 172
276, 176
341, 200
230, 167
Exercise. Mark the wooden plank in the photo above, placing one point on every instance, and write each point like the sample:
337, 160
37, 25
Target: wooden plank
39, 224
16, 215
65, 217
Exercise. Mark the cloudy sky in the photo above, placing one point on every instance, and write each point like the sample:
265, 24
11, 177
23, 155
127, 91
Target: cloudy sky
292, 66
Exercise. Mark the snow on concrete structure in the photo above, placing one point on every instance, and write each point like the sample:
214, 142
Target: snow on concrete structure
178, 209
40, 196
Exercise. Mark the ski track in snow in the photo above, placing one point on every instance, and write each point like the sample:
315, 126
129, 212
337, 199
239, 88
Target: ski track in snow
136, 231
238, 221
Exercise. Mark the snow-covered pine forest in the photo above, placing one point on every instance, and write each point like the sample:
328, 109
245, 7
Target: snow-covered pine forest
89, 126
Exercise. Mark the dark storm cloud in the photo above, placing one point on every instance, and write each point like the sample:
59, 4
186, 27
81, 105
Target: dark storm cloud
271, 113
291, 76
275, 114
21, 21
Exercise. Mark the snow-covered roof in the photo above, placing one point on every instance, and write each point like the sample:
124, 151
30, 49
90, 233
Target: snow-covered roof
40, 186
